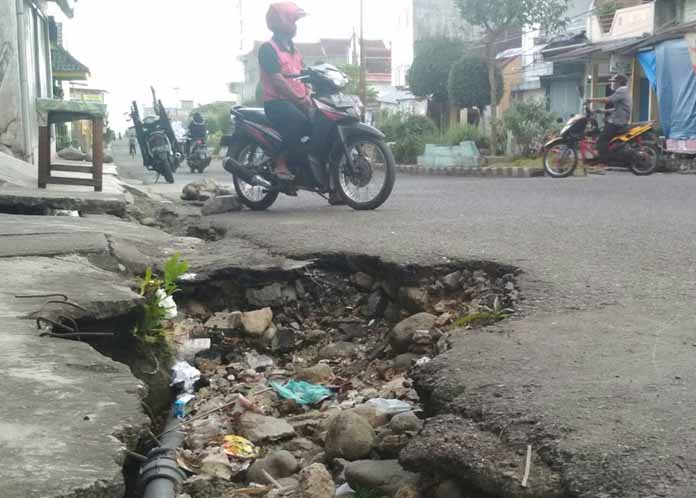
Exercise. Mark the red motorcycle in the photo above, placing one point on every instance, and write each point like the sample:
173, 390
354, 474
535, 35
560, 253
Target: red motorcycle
352, 157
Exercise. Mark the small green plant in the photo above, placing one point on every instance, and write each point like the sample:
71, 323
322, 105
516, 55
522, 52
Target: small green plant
529, 122
408, 135
485, 316
155, 290
369, 493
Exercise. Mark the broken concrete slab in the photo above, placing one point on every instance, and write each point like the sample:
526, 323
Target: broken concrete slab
18, 201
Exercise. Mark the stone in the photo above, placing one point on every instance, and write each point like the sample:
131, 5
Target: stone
363, 281
202, 190
350, 436
256, 322
260, 429
258, 362
448, 489
405, 422
386, 476
377, 304
408, 491
190, 328
276, 294
316, 482
371, 414
414, 299
422, 337
225, 322
221, 204
71, 154
393, 312
401, 335
390, 445
445, 319
217, 464
314, 336
278, 464
318, 374
283, 341
149, 222
453, 281
405, 361
337, 351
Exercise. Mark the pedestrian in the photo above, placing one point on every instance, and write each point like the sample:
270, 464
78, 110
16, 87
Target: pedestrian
131, 146
618, 110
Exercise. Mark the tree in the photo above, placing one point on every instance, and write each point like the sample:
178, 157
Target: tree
431, 67
498, 17
353, 88
469, 85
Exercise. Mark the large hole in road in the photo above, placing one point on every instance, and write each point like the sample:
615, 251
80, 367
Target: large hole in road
353, 324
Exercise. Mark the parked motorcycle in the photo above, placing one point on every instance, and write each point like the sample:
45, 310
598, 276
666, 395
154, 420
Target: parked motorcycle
353, 158
157, 141
636, 149
199, 157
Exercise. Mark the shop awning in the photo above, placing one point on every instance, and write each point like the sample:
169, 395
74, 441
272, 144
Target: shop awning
590, 49
65, 67
670, 33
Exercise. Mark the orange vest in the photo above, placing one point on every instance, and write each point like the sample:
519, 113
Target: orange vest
290, 64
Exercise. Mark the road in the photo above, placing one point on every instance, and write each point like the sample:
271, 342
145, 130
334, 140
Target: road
601, 370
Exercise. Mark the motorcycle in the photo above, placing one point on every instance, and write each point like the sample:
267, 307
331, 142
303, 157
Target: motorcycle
199, 157
157, 141
352, 158
636, 149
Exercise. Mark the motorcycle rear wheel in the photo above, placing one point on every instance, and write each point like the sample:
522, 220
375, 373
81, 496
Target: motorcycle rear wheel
372, 159
555, 154
255, 198
645, 162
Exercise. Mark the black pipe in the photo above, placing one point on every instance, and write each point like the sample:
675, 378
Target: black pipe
160, 476
235, 168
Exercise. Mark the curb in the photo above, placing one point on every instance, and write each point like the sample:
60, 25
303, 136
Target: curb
492, 171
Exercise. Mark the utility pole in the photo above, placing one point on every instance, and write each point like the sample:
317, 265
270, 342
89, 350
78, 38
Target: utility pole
363, 60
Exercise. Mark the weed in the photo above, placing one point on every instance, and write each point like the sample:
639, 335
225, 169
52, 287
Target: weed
485, 316
368, 493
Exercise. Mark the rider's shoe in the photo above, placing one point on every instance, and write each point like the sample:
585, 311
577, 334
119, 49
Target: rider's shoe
335, 199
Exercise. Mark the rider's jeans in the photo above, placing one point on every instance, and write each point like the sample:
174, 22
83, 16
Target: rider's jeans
610, 131
293, 125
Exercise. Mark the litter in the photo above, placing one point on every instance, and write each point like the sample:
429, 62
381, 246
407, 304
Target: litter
239, 448
181, 405
258, 362
186, 375
423, 361
345, 490
192, 347
390, 406
301, 392
168, 304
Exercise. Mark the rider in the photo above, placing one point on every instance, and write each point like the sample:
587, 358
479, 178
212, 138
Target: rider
286, 100
618, 116
197, 130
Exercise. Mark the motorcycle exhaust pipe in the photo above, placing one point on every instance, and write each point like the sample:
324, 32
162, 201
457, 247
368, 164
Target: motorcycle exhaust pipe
233, 167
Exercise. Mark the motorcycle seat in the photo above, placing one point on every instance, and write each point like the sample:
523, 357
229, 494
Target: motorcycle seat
255, 114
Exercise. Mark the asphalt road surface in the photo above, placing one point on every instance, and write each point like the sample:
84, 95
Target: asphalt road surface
603, 362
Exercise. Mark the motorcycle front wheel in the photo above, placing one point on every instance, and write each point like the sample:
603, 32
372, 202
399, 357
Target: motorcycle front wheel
645, 160
166, 168
253, 197
370, 181
560, 160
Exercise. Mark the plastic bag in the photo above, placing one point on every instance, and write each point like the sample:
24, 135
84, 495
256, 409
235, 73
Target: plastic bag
390, 406
239, 448
301, 392
168, 304
183, 372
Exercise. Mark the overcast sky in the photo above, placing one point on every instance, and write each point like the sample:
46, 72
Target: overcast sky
193, 45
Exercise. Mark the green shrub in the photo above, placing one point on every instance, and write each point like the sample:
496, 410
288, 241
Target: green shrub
529, 122
407, 135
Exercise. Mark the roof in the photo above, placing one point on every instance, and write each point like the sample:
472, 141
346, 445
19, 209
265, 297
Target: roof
510, 53
394, 95
335, 47
67, 6
589, 49
65, 66
310, 49
669, 33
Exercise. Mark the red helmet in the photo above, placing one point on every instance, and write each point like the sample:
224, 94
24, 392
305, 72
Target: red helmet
283, 16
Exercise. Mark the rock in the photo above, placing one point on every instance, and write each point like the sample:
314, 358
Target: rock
371, 414
363, 281
255, 323
278, 464
386, 476
289, 484
453, 281
393, 312
401, 335
221, 204
405, 422
377, 304
337, 351
448, 489
258, 362
422, 337
202, 190
217, 464
190, 328
350, 436
225, 322
259, 428
413, 299
149, 222
390, 445
272, 295
71, 154
318, 374
408, 491
316, 482
445, 319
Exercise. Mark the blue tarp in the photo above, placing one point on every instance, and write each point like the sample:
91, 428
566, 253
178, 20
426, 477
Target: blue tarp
676, 89
648, 61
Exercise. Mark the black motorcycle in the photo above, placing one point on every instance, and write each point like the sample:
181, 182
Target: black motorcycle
199, 157
353, 159
157, 141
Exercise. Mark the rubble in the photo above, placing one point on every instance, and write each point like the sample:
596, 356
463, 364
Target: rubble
316, 482
386, 476
262, 429
255, 323
202, 190
221, 204
278, 465
401, 336
349, 436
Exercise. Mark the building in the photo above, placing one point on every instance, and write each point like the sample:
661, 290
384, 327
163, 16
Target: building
401, 101
439, 19
25, 71
81, 131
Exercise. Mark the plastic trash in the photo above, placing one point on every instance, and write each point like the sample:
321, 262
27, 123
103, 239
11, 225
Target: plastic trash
192, 347
390, 406
344, 490
167, 302
239, 448
258, 362
303, 393
423, 361
181, 405
184, 373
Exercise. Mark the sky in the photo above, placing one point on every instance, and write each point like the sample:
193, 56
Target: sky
188, 49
